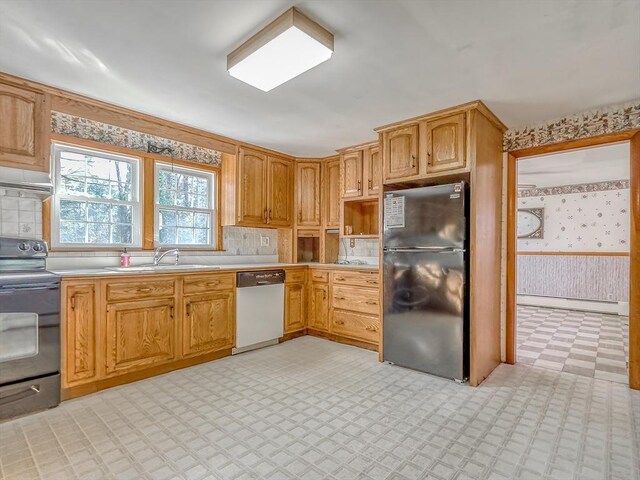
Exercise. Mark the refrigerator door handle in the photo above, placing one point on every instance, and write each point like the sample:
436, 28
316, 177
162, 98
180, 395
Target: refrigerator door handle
423, 249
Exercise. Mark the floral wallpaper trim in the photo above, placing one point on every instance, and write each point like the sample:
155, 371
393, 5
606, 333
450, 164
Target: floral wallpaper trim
79, 127
580, 188
612, 119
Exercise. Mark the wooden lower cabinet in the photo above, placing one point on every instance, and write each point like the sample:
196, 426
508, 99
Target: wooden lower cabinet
346, 305
79, 332
295, 299
139, 334
208, 322
356, 325
319, 307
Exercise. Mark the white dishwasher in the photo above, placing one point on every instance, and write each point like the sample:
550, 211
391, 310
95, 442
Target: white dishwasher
259, 309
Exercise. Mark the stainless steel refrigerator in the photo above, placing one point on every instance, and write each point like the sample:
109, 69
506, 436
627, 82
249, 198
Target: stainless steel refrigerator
425, 323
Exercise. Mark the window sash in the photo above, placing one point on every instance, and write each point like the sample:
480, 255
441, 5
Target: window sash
136, 209
211, 178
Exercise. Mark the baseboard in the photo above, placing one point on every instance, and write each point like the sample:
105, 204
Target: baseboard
612, 308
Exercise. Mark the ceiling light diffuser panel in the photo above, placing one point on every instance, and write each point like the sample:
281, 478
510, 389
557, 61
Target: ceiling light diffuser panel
287, 47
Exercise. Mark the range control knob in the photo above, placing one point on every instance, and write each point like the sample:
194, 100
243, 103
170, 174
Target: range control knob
24, 246
38, 247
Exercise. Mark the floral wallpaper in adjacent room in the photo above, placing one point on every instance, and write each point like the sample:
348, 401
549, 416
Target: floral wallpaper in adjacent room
580, 218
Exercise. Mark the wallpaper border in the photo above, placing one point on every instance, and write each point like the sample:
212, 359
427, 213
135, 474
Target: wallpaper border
79, 127
611, 119
578, 188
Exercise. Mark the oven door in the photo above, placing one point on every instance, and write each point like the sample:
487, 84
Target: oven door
29, 328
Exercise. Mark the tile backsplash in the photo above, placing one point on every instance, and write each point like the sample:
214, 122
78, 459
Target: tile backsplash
20, 215
365, 249
247, 241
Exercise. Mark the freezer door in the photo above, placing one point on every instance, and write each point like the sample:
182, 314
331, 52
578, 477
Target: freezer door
427, 216
425, 325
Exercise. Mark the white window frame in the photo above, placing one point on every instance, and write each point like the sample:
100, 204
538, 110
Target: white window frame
135, 203
212, 211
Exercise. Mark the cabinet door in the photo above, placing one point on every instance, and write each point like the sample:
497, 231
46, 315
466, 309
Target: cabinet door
208, 322
253, 187
280, 192
351, 174
319, 315
294, 312
401, 153
446, 142
25, 128
139, 334
79, 333
331, 184
308, 194
374, 174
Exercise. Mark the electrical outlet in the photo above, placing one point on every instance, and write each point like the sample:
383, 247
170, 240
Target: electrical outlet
352, 243
264, 241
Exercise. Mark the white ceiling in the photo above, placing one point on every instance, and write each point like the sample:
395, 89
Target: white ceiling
529, 61
589, 165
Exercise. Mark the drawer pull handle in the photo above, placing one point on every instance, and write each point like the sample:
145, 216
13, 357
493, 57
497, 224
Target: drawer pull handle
371, 302
213, 284
144, 290
339, 298
338, 322
340, 279
371, 328
372, 282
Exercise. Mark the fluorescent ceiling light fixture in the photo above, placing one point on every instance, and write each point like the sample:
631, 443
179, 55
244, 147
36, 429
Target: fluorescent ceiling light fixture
287, 47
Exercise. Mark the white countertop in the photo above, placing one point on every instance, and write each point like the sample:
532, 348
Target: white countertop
104, 272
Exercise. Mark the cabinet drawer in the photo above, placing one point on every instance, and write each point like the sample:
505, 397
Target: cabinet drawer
357, 299
142, 288
319, 276
356, 325
364, 279
295, 276
207, 283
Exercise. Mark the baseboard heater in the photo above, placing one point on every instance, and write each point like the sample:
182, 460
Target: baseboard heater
597, 306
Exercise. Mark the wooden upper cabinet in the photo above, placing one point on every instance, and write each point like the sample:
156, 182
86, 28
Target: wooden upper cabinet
279, 192
331, 186
373, 173
24, 128
139, 334
252, 166
445, 143
401, 153
308, 194
79, 332
351, 169
208, 322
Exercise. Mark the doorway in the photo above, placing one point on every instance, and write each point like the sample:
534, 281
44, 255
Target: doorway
573, 261
592, 335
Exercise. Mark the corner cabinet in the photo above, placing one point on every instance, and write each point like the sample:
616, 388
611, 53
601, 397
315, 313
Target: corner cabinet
24, 134
308, 194
361, 174
257, 189
331, 197
295, 301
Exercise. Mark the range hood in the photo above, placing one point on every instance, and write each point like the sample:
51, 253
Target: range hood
27, 181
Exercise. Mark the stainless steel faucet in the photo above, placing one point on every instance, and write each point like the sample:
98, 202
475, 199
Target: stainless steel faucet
157, 256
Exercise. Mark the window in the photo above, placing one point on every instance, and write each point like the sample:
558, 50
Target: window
185, 206
96, 202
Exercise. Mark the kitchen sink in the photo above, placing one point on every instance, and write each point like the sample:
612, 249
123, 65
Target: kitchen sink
162, 268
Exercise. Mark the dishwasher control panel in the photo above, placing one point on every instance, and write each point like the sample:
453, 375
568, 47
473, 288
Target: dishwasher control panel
258, 278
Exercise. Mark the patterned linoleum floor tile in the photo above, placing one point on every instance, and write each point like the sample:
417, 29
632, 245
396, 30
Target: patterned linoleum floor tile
591, 344
313, 409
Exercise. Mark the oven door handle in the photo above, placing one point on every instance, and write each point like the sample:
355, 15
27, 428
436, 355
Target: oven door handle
14, 397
